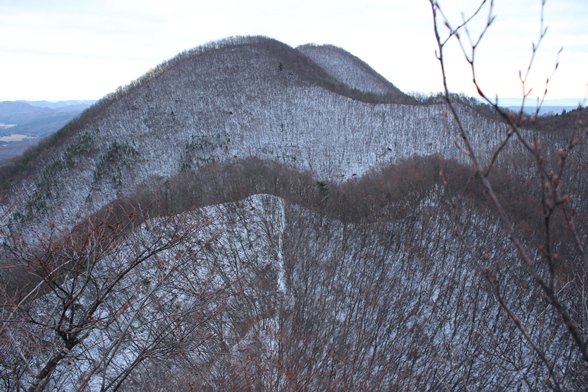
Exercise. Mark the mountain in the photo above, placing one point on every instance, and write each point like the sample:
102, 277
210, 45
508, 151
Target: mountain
231, 100
252, 216
545, 110
352, 71
32, 119
22, 123
66, 106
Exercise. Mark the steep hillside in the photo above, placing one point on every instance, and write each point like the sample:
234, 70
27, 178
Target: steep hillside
263, 294
352, 71
232, 99
250, 216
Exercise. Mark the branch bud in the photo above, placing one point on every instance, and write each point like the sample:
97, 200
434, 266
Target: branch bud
560, 152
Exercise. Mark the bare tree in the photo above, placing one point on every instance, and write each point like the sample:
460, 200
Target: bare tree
553, 258
107, 297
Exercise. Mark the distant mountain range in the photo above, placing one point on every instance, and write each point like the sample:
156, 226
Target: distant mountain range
23, 123
38, 118
69, 105
547, 110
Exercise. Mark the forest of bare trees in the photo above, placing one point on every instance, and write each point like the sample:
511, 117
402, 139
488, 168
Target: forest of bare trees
312, 237
551, 260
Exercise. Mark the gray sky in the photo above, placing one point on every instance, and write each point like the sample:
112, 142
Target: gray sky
82, 49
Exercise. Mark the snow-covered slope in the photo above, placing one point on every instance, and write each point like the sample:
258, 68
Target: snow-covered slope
349, 69
259, 250
340, 305
234, 99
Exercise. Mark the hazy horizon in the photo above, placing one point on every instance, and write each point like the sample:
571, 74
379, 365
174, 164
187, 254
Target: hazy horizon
502, 101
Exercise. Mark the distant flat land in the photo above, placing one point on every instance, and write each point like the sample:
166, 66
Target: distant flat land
24, 123
10, 150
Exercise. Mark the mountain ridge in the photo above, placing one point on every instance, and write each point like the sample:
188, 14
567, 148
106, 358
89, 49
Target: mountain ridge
242, 217
230, 99
295, 63
353, 71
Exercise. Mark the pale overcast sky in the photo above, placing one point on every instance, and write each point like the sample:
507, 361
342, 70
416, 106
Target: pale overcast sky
82, 49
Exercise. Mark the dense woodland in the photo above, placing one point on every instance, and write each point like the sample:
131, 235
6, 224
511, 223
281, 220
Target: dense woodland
251, 216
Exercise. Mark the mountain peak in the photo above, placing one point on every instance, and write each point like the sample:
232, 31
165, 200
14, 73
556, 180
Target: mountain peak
352, 71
